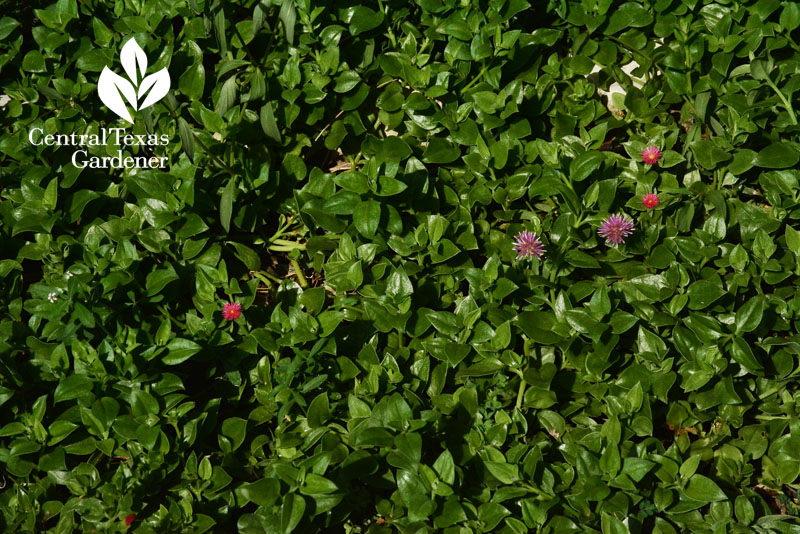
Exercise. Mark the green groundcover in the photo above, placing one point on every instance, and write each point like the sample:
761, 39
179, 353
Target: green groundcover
399, 266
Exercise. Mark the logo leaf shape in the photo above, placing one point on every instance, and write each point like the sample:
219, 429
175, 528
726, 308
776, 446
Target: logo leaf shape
109, 87
160, 83
130, 55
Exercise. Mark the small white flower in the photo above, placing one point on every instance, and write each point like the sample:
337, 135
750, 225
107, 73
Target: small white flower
52, 297
67, 275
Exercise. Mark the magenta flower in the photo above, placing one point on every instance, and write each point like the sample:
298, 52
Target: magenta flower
651, 155
528, 244
231, 310
650, 200
615, 229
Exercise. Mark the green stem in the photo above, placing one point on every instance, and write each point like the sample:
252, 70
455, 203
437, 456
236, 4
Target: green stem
556, 266
282, 245
521, 390
791, 41
689, 74
280, 231
475, 79
535, 490
786, 102
168, 317
266, 278
299, 272
526, 347
286, 243
520, 394
552, 279
265, 274
631, 50
387, 19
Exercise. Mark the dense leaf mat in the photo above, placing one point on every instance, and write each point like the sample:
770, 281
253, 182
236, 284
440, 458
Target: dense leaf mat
355, 175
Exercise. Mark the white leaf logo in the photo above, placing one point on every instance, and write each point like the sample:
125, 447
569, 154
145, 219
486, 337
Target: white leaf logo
160, 85
109, 88
112, 87
130, 55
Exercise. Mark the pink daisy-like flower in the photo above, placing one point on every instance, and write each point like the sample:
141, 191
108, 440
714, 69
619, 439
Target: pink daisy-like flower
231, 310
615, 229
651, 155
650, 200
528, 244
